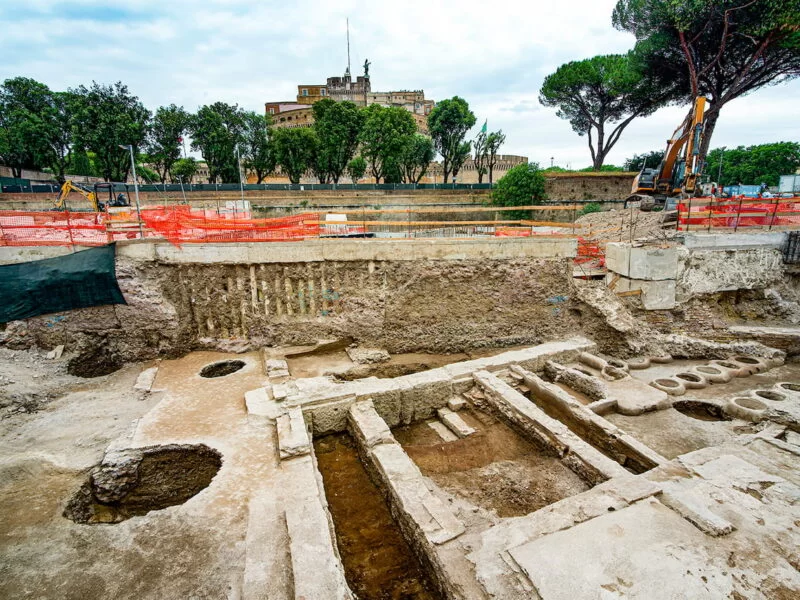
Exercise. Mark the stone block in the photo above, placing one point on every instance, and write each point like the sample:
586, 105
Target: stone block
443, 432
293, 439
454, 422
259, 404
367, 425
456, 403
646, 262
656, 295
145, 379
56, 352
692, 507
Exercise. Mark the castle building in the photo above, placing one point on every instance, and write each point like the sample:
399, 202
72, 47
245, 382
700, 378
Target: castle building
298, 113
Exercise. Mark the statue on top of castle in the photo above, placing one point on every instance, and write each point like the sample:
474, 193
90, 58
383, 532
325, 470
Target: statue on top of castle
366, 68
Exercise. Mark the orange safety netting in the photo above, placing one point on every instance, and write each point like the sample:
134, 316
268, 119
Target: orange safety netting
52, 228
740, 213
512, 232
590, 250
182, 224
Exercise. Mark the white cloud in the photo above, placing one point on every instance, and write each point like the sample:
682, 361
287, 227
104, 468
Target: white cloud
249, 52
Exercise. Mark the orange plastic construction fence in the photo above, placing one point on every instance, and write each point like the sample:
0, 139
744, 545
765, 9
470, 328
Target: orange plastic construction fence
590, 250
739, 212
51, 228
182, 224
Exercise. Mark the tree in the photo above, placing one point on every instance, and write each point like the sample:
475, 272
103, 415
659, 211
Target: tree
648, 160
754, 165
522, 185
21, 101
460, 157
417, 155
356, 168
493, 143
258, 154
338, 125
294, 150
598, 94
184, 169
165, 136
217, 130
481, 158
721, 49
107, 117
383, 137
449, 122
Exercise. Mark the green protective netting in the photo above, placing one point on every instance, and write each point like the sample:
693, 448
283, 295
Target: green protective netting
85, 278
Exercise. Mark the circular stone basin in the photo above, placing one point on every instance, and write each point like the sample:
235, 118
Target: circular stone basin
689, 377
709, 370
134, 482
747, 360
750, 403
792, 387
221, 369
670, 383
727, 365
770, 395
702, 411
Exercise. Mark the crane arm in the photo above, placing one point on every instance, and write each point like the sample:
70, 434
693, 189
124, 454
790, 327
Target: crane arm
68, 187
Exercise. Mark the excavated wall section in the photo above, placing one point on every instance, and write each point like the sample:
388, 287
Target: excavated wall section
442, 297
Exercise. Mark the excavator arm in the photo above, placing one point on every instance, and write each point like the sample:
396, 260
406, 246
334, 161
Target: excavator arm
68, 187
681, 166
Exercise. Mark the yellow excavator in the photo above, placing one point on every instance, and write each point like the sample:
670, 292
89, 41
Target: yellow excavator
90, 195
680, 169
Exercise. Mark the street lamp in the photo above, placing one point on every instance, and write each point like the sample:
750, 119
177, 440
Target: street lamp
129, 147
241, 185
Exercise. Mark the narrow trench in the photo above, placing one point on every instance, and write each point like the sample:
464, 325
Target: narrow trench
378, 563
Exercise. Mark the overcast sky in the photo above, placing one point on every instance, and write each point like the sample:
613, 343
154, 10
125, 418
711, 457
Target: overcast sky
493, 54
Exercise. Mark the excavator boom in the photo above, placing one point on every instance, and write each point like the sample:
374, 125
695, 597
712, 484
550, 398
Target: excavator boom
68, 187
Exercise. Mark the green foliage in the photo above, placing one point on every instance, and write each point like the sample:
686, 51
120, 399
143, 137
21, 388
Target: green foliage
603, 169
35, 126
356, 168
147, 174
107, 116
598, 94
164, 138
384, 136
415, 158
338, 126
721, 49
449, 122
258, 155
460, 157
184, 170
648, 160
754, 165
493, 143
295, 150
82, 163
522, 185
217, 130
592, 207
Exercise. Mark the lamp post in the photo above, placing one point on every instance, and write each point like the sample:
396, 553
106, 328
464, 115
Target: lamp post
129, 147
241, 185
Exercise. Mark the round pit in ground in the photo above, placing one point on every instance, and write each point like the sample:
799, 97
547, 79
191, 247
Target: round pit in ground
138, 481
702, 411
770, 395
221, 369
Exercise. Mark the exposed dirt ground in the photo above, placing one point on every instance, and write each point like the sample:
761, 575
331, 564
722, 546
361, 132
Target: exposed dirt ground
625, 225
378, 562
493, 468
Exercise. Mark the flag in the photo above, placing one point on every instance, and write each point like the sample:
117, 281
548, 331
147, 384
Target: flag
483, 129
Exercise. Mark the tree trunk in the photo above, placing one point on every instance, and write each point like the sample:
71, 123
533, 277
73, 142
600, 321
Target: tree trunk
16, 172
708, 130
491, 174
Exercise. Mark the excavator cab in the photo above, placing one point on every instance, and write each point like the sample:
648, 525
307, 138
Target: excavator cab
106, 191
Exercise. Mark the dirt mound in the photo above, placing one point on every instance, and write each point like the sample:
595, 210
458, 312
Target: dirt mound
626, 225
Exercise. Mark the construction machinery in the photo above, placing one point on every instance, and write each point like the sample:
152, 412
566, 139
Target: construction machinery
680, 169
91, 195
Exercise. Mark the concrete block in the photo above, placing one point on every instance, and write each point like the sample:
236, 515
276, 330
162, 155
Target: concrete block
646, 262
734, 240
367, 425
293, 439
454, 422
656, 295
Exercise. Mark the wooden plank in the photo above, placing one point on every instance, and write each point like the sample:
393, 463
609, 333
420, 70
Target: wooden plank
630, 293
614, 282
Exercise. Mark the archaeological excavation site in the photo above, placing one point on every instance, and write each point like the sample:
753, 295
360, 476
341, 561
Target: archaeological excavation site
404, 418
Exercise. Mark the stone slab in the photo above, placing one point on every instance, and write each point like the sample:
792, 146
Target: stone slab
260, 404
367, 424
293, 439
454, 422
456, 404
442, 431
145, 379
646, 262
645, 551
634, 397
733, 240
692, 507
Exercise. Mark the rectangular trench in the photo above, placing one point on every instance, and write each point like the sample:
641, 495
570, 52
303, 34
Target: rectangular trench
377, 560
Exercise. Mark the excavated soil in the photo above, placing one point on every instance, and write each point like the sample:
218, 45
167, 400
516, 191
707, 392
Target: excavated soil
493, 468
378, 563
157, 478
623, 225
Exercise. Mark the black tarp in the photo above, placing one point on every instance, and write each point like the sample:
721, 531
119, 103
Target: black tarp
40, 287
